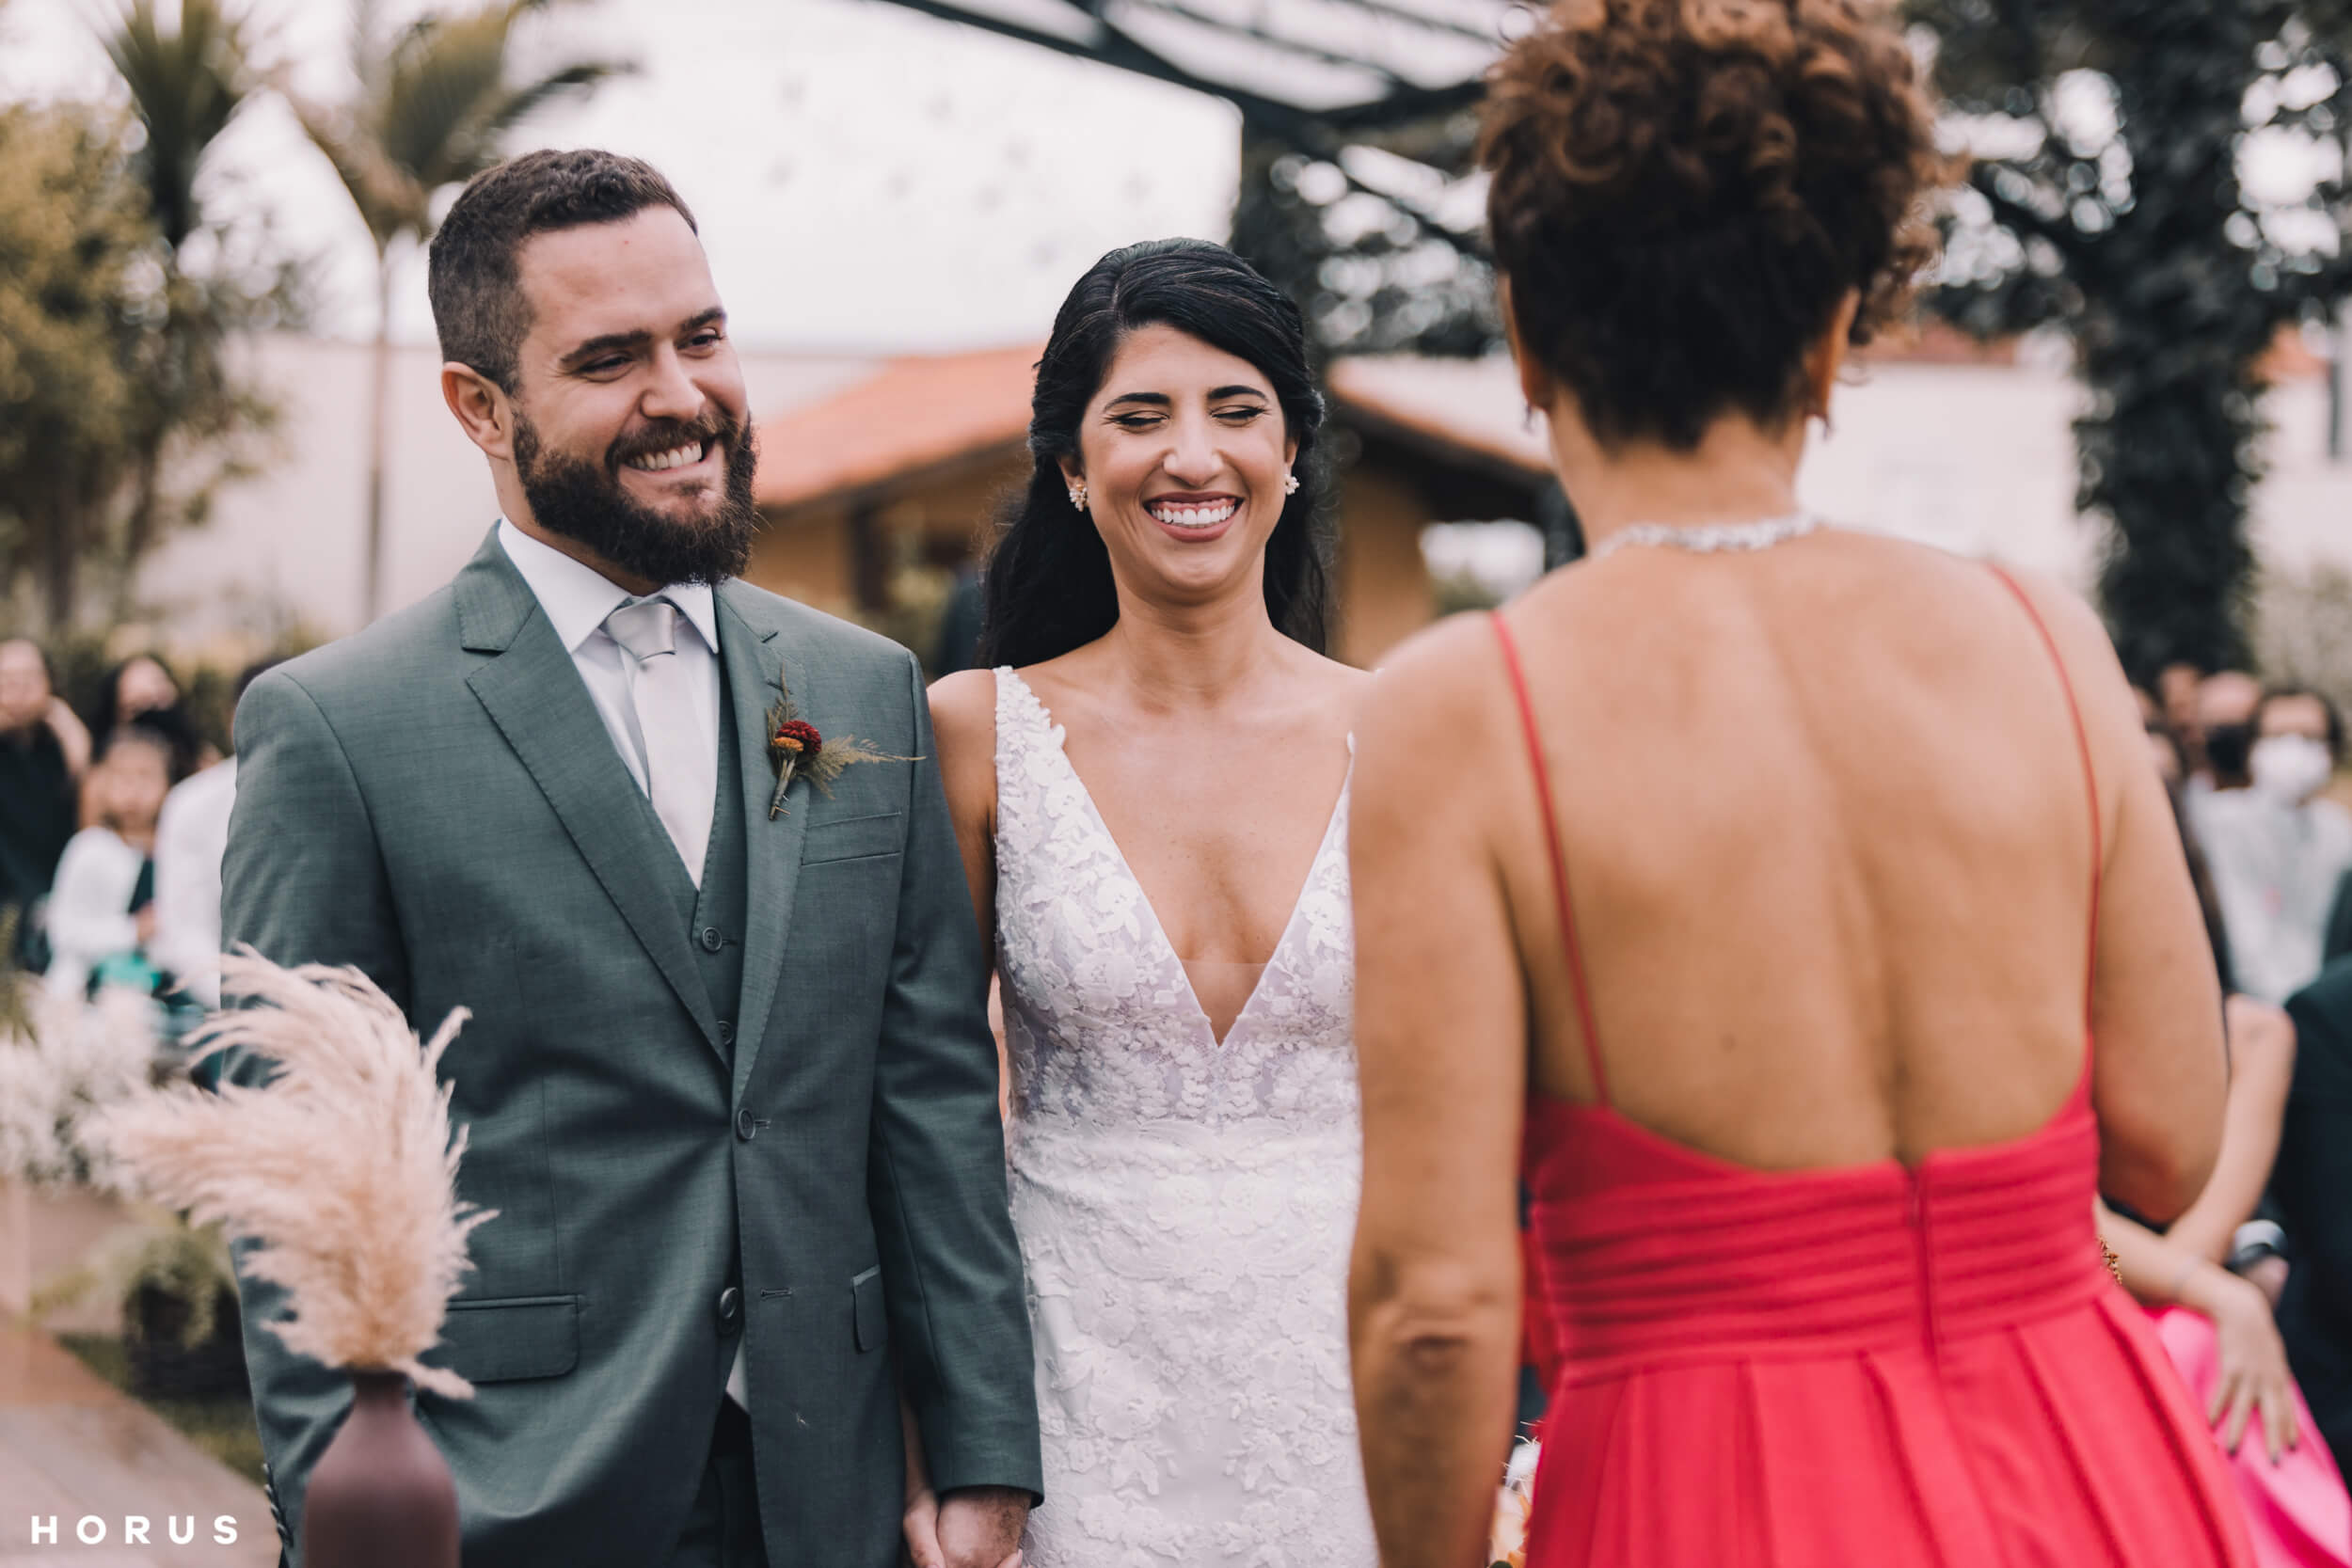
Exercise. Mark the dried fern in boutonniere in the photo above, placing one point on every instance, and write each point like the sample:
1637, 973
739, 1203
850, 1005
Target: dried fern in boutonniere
795, 749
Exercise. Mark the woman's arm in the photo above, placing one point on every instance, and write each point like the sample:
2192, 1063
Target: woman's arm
964, 723
2253, 1378
2262, 1066
1441, 1040
2160, 1073
72, 736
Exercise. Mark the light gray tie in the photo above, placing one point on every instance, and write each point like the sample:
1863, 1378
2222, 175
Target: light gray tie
681, 762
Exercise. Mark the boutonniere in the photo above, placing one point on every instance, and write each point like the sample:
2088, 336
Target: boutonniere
797, 750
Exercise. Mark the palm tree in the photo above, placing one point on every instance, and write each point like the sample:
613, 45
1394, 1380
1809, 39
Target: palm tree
433, 106
186, 84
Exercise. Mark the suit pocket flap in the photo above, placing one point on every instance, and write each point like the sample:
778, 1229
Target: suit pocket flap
866, 1302
854, 837
506, 1341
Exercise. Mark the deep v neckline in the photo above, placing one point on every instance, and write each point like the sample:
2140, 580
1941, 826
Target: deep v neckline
1165, 947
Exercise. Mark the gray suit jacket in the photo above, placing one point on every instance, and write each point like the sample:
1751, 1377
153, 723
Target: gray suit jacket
437, 802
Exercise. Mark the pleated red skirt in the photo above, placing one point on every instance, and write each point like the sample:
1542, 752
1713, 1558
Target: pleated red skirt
1868, 1367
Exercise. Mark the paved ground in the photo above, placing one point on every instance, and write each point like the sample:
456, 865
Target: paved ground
74, 1448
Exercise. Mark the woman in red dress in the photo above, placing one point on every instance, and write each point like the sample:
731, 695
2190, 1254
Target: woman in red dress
1794, 907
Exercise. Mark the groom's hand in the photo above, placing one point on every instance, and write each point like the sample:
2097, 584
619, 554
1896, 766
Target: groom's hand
979, 1527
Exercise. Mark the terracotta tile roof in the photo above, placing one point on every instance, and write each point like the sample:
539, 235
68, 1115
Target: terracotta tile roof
916, 414
1472, 407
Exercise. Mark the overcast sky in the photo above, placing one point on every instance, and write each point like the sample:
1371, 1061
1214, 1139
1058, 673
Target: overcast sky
864, 177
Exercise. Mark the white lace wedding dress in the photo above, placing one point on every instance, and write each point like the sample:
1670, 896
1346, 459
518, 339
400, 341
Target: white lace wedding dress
1185, 1207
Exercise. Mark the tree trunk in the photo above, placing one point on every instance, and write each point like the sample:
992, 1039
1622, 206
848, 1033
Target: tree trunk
61, 525
378, 414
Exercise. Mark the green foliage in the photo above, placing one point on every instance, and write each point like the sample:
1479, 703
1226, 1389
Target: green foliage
2114, 212
78, 284
435, 102
119, 412
1376, 235
186, 84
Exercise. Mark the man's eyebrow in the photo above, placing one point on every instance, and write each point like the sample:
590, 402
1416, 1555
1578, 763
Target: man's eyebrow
605, 345
716, 315
1157, 400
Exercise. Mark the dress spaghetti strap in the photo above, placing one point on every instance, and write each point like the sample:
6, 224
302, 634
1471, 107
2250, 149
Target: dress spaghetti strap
1559, 861
2091, 779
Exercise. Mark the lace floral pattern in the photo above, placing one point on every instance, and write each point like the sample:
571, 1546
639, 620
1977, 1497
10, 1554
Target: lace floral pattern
1185, 1207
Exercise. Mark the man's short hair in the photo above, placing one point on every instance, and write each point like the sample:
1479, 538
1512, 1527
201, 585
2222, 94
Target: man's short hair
473, 275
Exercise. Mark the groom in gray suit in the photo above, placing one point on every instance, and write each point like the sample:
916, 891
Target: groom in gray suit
728, 1077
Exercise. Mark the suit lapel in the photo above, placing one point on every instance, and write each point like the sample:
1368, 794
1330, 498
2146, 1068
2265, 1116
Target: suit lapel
535, 695
755, 675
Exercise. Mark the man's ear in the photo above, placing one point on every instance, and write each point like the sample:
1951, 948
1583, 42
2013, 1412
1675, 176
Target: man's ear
482, 408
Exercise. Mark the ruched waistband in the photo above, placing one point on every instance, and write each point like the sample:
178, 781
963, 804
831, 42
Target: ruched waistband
1718, 1260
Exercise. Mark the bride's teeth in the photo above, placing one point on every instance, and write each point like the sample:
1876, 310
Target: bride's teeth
1193, 516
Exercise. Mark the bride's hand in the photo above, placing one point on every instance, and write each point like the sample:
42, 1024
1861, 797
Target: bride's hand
922, 1529
2254, 1379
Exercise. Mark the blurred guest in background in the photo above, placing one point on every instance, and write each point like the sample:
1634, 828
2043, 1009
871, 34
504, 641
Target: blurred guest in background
102, 910
2216, 1322
2276, 849
191, 836
2313, 1186
2177, 686
43, 750
2223, 735
143, 688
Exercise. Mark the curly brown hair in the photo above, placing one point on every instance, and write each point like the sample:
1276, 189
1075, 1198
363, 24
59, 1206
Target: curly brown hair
1685, 190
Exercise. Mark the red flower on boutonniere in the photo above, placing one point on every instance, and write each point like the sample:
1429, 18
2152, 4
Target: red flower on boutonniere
795, 747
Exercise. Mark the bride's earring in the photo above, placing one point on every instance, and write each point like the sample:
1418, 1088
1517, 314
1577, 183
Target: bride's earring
1290, 484
1078, 495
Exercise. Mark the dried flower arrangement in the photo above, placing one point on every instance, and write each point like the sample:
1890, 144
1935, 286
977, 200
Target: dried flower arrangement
63, 1062
1513, 1503
342, 1167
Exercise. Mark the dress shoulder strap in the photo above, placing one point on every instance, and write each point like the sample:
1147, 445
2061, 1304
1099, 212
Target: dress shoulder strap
2091, 776
1559, 859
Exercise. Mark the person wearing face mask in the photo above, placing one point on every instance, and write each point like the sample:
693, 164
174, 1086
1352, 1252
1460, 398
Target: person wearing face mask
2276, 849
2224, 732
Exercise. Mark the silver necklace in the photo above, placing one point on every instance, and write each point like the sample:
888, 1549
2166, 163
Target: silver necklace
1709, 538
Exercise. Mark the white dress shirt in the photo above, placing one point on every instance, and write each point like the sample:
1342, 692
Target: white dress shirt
578, 597
191, 836
2275, 872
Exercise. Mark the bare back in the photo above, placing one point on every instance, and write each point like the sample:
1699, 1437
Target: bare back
1831, 848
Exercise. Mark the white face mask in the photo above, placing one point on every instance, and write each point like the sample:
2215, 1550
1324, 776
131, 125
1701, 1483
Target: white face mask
2290, 768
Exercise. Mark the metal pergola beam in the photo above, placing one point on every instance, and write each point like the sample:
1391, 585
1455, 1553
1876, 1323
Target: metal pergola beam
1315, 131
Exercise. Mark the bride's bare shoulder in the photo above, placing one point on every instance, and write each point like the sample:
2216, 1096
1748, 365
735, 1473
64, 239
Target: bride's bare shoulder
963, 713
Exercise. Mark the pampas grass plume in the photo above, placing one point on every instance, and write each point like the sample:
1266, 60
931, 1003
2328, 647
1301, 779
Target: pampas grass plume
341, 1168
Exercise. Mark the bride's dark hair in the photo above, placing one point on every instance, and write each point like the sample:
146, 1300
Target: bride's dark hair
1047, 586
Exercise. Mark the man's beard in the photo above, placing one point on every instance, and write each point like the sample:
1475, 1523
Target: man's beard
584, 501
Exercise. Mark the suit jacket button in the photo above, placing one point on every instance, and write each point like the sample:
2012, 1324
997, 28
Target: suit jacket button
730, 1309
726, 1031
744, 1125
713, 939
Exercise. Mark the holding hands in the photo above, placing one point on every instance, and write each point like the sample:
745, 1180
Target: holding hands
977, 1526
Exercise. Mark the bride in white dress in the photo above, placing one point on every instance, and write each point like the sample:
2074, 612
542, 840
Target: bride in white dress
1150, 791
